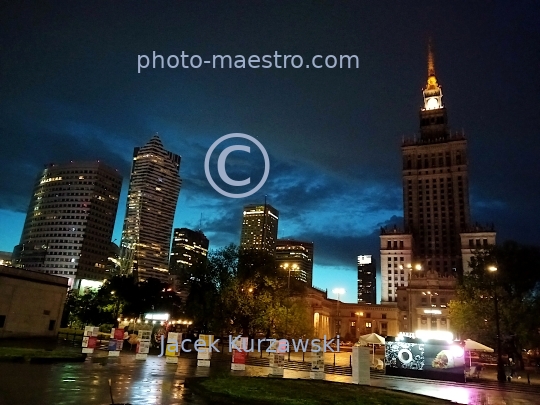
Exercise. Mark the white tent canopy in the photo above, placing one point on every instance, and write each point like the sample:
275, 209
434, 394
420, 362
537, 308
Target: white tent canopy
473, 346
373, 339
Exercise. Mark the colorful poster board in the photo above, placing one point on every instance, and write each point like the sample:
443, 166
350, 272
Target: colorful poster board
204, 353
238, 360
317, 365
172, 350
116, 342
277, 360
143, 346
89, 342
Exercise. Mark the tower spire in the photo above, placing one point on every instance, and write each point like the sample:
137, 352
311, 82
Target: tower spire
430, 60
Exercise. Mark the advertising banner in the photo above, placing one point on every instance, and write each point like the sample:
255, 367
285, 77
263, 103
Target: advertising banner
433, 359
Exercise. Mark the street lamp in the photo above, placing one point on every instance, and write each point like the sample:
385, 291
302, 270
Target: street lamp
338, 291
501, 375
431, 305
289, 268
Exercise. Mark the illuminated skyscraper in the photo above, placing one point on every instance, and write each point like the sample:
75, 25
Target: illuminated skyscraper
436, 184
435, 199
297, 257
70, 222
188, 248
367, 272
259, 227
151, 204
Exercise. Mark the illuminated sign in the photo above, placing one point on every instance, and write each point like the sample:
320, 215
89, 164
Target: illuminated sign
432, 311
157, 317
434, 335
417, 358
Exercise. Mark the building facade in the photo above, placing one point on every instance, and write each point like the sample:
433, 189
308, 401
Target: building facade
31, 303
296, 257
423, 304
367, 280
332, 317
189, 247
151, 204
259, 228
396, 262
70, 221
475, 240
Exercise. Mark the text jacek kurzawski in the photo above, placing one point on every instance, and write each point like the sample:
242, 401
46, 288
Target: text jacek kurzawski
254, 345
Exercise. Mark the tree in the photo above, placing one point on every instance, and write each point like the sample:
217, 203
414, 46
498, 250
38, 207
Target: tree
516, 284
243, 292
121, 296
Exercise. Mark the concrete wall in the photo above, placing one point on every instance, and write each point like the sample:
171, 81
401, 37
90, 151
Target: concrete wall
29, 301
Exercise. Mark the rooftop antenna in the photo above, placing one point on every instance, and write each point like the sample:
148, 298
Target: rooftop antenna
200, 223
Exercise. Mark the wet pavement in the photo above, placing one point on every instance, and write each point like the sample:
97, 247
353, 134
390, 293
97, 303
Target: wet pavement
155, 382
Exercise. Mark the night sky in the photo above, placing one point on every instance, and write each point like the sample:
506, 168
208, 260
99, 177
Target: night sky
69, 90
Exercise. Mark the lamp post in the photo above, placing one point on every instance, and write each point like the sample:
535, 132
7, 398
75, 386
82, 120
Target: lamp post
501, 375
116, 308
294, 267
338, 291
409, 292
358, 315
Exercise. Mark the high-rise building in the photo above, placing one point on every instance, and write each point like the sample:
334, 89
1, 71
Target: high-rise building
436, 184
188, 248
367, 275
296, 257
259, 227
70, 222
437, 232
151, 204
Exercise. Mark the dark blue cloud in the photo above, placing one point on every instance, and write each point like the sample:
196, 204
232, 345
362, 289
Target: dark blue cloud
71, 91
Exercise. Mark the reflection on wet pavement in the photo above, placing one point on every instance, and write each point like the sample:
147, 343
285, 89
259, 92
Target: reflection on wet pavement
155, 382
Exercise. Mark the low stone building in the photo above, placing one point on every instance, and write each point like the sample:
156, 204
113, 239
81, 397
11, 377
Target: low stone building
350, 320
31, 303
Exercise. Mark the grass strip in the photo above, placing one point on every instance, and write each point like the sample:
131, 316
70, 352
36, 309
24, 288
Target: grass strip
18, 354
230, 390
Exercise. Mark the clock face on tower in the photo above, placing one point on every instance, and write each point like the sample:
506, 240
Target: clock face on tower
432, 103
